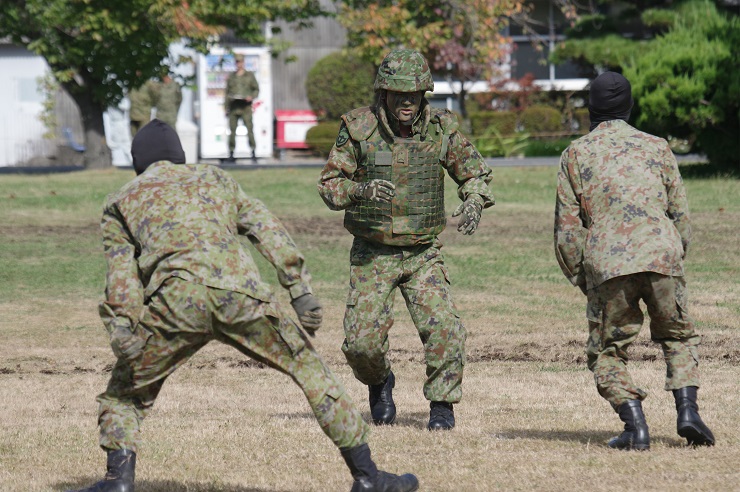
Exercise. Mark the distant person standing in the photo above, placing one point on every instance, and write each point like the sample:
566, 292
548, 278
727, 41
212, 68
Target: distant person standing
142, 102
241, 91
167, 100
621, 234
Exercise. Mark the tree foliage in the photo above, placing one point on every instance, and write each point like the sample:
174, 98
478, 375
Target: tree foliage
339, 82
687, 85
462, 40
682, 62
99, 49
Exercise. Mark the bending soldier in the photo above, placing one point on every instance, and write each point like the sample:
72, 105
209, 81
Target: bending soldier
621, 234
386, 171
179, 277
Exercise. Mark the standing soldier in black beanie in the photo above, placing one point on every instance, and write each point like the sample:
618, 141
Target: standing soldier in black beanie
179, 277
621, 234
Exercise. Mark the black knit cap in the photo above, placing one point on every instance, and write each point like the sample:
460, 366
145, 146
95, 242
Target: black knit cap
156, 141
610, 98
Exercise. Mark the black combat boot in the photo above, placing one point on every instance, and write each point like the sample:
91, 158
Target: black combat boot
441, 416
689, 423
635, 435
382, 408
254, 156
369, 479
120, 475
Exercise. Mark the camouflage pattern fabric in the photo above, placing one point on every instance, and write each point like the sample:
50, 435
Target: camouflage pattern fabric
238, 87
615, 318
141, 102
404, 71
168, 100
180, 318
345, 166
419, 272
382, 260
178, 277
621, 207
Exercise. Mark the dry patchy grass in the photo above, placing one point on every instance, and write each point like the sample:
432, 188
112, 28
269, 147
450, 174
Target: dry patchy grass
530, 418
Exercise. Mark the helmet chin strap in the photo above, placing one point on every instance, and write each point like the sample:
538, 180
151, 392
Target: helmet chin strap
425, 113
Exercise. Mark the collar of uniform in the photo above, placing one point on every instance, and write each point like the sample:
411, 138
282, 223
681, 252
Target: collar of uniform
611, 124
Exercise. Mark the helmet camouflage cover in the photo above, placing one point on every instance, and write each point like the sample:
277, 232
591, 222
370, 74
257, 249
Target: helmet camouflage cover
404, 71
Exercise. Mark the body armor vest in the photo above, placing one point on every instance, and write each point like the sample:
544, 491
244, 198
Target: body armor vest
415, 168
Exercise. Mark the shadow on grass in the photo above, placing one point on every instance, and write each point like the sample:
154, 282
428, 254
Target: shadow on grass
407, 419
164, 486
594, 438
707, 171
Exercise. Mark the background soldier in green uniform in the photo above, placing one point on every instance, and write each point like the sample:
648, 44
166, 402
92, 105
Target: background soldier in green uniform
241, 91
621, 234
386, 170
179, 277
167, 95
142, 101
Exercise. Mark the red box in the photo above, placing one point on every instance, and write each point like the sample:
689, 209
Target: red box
292, 126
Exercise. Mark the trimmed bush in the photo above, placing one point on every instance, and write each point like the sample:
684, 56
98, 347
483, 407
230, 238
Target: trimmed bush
547, 147
581, 117
503, 121
339, 83
541, 119
321, 138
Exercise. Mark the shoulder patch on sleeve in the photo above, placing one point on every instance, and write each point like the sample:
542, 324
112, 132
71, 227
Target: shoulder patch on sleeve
343, 136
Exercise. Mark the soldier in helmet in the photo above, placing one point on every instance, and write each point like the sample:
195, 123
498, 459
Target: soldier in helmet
241, 91
386, 171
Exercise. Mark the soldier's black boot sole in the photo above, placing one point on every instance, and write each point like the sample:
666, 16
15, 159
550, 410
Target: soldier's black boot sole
689, 424
382, 406
636, 435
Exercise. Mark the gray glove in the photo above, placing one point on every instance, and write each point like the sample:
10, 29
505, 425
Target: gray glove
471, 210
309, 312
377, 190
125, 344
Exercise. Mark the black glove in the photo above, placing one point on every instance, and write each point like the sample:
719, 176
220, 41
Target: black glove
471, 210
377, 190
309, 312
125, 344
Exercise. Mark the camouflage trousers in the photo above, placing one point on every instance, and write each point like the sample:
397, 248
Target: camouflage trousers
181, 318
615, 318
240, 112
420, 273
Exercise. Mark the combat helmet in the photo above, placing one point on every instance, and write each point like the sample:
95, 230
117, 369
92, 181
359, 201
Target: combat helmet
404, 71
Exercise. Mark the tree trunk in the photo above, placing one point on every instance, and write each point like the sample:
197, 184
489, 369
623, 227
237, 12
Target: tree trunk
97, 153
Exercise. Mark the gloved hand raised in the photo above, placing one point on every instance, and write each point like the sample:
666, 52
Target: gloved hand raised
125, 344
471, 210
309, 312
377, 190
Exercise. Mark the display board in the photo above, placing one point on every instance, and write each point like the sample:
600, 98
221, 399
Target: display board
213, 71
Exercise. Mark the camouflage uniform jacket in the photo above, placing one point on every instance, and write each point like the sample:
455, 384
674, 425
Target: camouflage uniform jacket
142, 100
462, 161
185, 221
168, 99
239, 86
621, 207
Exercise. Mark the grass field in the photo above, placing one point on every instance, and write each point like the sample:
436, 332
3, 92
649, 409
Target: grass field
530, 418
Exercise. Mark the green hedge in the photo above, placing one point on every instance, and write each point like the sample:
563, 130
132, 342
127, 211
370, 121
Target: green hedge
541, 119
321, 138
503, 121
338, 83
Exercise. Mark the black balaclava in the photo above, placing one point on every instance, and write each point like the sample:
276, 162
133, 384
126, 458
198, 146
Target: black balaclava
610, 98
156, 141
